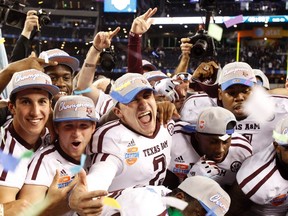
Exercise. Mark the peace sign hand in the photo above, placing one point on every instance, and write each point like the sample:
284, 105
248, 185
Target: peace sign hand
142, 23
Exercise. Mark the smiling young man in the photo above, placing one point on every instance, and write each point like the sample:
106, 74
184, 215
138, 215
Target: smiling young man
211, 148
75, 121
63, 73
30, 104
135, 149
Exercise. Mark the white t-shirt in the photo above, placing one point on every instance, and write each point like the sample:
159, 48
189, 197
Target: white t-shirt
44, 165
125, 158
16, 146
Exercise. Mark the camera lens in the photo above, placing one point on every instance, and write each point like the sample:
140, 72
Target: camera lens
44, 20
199, 48
107, 61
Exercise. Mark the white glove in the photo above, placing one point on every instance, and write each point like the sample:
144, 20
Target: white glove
203, 167
166, 87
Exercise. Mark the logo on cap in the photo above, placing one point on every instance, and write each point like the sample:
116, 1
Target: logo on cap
201, 124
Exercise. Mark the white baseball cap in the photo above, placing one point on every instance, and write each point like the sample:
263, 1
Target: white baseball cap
218, 121
74, 107
126, 87
32, 78
61, 57
148, 65
209, 193
155, 75
263, 77
236, 73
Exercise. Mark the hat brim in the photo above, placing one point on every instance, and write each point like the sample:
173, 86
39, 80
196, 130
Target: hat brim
149, 67
69, 61
75, 119
235, 81
210, 89
127, 98
52, 89
208, 210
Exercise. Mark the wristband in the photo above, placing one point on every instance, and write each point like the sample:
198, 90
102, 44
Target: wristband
1, 209
78, 92
135, 35
89, 65
96, 48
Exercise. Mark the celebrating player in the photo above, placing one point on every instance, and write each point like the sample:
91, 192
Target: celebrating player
214, 149
236, 82
133, 150
262, 181
30, 104
74, 119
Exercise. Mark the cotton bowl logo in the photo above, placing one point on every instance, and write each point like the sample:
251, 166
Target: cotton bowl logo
120, 5
131, 155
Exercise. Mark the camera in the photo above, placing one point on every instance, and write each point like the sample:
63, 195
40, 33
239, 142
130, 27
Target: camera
107, 60
15, 17
203, 46
43, 17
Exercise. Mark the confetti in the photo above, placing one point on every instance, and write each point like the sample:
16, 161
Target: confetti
111, 202
234, 21
215, 31
9, 163
27, 154
76, 169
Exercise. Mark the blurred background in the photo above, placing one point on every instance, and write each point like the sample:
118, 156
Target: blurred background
72, 25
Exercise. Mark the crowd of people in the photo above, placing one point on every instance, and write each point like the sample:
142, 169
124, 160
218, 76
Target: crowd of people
159, 145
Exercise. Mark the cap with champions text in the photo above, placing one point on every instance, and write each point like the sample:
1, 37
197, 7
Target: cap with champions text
236, 73
61, 57
126, 87
74, 107
216, 120
209, 193
280, 133
32, 78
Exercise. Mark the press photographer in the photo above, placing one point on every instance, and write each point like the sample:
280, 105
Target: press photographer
11, 14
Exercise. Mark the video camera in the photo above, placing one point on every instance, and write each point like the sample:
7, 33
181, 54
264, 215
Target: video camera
12, 15
203, 46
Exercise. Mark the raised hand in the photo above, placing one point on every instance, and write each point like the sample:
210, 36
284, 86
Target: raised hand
142, 23
30, 22
103, 39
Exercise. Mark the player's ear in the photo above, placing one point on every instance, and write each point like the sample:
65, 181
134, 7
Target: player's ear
180, 195
117, 112
11, 107
276, 146
219, 94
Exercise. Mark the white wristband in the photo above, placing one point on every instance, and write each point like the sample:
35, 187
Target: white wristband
1, 209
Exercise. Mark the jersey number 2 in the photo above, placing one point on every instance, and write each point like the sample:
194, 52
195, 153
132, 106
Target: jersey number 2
160, 159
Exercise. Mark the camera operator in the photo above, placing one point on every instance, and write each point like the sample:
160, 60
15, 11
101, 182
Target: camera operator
22, 48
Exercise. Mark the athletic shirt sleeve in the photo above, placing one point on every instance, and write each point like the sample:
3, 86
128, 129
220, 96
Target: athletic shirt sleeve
103, 170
